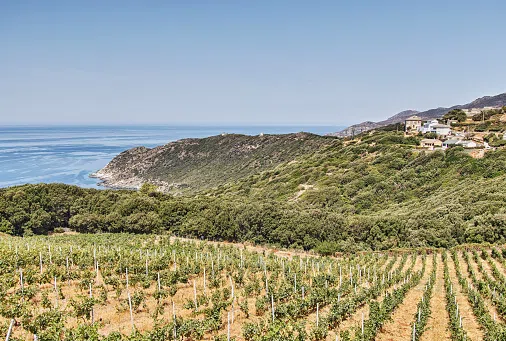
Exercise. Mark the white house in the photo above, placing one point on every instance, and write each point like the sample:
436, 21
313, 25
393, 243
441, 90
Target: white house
425, 128
467, 144
441, 129
430, 143
450, 143
456, 142
435, 127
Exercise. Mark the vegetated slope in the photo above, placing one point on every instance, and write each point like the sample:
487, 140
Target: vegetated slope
381, 168
482, 102
376, 192
193, 164
382, 185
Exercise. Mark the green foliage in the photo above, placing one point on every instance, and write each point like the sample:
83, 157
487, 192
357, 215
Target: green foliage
487, 114
375, 193
495, 140
47, 326
6, 226
455, 114
148, 188
138, 299
430, 135
83, 306
243, 305
482, 127
327, 248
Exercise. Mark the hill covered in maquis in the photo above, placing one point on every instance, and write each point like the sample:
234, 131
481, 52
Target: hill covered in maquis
190, 165
375, 192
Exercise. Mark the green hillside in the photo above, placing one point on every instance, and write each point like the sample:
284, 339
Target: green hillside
376, 192
190, 165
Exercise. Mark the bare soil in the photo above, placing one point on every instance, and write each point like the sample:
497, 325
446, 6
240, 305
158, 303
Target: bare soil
438, 323
401, 325
469, 322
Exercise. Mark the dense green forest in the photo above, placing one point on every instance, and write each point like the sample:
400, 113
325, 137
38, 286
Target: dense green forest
374, 192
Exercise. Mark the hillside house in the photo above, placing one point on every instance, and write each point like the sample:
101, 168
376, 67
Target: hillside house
435, 127
459, 142
412, 123
431, 143
450, 143
441, 129
468, 144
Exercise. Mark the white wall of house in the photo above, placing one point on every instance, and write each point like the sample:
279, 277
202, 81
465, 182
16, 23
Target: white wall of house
435, 127
443, 131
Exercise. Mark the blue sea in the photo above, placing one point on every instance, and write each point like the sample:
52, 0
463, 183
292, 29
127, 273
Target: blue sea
68, 154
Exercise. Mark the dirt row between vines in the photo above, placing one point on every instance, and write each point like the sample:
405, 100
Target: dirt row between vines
310, 319
469, 321
355, 319
492, 309
400, 327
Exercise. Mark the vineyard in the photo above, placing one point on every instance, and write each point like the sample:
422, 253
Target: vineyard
131, 287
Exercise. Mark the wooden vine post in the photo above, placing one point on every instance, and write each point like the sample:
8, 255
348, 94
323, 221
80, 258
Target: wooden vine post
56, 291
40, 262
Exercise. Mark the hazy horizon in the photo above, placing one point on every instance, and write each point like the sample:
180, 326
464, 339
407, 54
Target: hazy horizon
165, 124
260, 63
68, 154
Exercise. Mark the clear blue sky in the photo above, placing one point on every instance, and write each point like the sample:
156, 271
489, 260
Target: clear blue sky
244, 61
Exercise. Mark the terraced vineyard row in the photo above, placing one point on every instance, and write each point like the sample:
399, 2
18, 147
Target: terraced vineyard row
125, 287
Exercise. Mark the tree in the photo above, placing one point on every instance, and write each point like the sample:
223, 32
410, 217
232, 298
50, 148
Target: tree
148, 188
430, 136
6, 226
40, 222
456, 114
86, 223
327, 248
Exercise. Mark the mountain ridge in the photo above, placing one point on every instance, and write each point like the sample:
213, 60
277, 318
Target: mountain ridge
481, 102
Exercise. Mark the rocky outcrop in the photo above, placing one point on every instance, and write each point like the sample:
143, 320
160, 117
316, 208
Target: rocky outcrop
356, 129
196, 164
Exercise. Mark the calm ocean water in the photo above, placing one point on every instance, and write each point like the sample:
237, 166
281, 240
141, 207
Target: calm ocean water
68, 154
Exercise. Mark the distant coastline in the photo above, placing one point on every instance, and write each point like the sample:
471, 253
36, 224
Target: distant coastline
70, 153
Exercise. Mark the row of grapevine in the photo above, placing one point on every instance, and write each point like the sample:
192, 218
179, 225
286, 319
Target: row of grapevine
492, 329
128, 287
